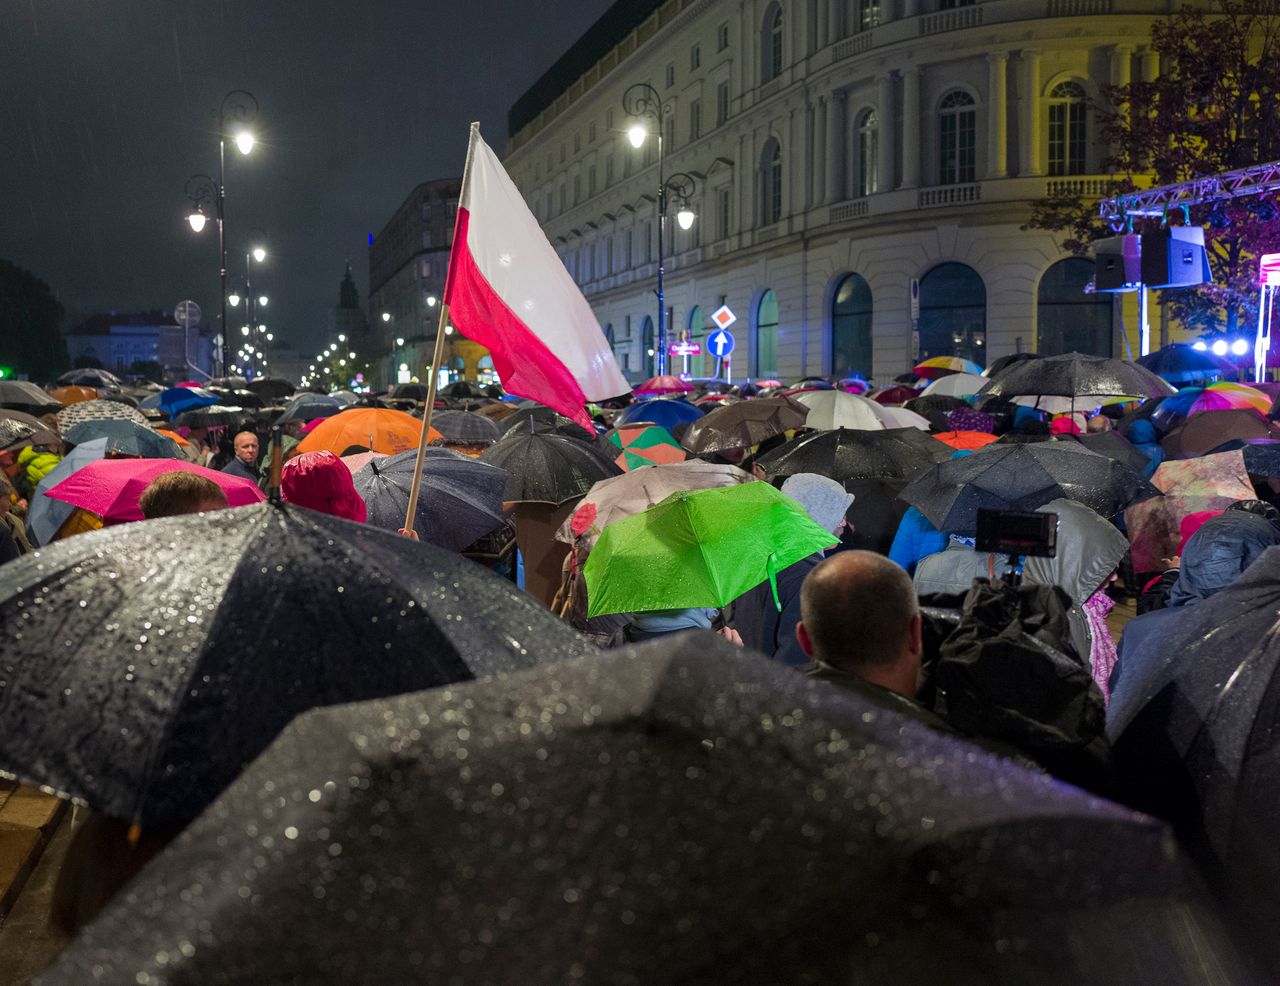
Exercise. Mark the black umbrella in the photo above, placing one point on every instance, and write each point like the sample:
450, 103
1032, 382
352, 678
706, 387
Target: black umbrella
1077, 375
1024, 438
547, 467
874, 516
1199, 433
459, 499
669, 814
125, 438
935, 407
744, 424
272, 388
465, 428
14, 433
544, 419
1182, 364
214, 416
22, 395
1115, 446
847, 454
238, 396
1023, 477
160, 658
306, 406
1261, 455
41, 433
1195, 739
1002, 363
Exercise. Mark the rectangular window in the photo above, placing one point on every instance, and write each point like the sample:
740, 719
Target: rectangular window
426, 239
426, 268
426, 212
695, 57
671, 134
608, 120
957, 148
591, 180
561, 198
1067, 138
562, 153
608, 171
671, 74
648, 243
591, 134
722, 36
722, 103
868, 14
577, 143
577, 189
723, 214
695, 120
626, 263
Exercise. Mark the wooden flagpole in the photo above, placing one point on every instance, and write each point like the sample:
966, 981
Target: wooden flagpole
416, 486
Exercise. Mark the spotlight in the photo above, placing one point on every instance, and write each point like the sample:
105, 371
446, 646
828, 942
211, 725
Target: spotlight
1200, 346
1220, 348
1239, 347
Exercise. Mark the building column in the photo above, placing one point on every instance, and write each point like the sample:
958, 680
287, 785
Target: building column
818, 160
1121, 64
837, 143
997, 115
1029, 132
1149, 64
887, 138
910, 8
836, 28
910, 127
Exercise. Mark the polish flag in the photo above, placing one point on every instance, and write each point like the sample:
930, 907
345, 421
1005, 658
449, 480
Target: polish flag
508, 290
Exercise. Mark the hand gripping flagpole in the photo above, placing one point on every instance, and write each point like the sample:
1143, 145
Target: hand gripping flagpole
416, 486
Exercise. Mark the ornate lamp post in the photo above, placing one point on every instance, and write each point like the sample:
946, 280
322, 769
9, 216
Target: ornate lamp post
641, 101
237, 109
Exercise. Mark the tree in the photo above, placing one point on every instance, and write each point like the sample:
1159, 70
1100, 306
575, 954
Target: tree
148, 369
31, 342
1212, 108
87, 361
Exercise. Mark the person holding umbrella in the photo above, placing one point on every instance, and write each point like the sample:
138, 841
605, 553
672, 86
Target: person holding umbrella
766, 622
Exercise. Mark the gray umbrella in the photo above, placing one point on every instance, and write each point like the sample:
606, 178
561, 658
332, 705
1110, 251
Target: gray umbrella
459, 500
465, 428
305, 406
25, 396
159, 658
1077, 375
125, 438
97, 410
41, 433
676, 813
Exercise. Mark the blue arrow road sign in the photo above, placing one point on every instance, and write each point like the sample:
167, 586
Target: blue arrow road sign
720, 344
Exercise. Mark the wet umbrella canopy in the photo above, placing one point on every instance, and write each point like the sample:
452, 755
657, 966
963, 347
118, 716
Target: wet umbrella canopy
744, 424
98, 410
668, 814
1074, 374
159, 658
1022, 477
124, 438
844, 454
545, 467
459, 500
465, 428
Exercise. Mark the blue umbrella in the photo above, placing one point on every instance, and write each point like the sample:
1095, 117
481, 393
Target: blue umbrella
175, 400
45, 514
125, 438
666, 411
1179, 363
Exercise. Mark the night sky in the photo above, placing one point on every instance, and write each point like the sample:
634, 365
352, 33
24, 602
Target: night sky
108, 106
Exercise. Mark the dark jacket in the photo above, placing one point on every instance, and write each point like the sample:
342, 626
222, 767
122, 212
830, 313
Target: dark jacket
763, 627
237, 468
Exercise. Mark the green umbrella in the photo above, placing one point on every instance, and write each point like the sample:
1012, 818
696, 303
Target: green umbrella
699, 548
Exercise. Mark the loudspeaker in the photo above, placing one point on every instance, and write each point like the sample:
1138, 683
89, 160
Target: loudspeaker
1117, 263
1175, 258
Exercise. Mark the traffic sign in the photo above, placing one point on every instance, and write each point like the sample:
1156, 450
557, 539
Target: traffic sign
724, 318
720, 344
187, 314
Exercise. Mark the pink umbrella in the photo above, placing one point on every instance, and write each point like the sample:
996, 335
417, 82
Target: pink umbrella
667, 384
111, 488
358, 460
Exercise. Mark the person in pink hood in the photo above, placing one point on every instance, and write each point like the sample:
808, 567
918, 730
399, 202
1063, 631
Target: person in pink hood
321, 481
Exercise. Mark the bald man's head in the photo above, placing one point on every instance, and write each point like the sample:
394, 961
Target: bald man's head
859, 612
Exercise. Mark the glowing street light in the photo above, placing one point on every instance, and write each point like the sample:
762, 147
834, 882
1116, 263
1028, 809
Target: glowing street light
386, 316
233, 299
636, 133
245, 141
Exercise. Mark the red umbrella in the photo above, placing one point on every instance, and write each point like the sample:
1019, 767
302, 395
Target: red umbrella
667, 384
896, 395
111, 488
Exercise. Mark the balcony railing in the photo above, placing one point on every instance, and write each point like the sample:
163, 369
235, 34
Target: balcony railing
844, 211
950, 195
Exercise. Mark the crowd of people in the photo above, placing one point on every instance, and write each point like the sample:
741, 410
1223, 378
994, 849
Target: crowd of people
1019, 656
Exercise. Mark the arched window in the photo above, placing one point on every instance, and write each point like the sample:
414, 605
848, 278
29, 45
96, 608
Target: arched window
868, 144
1067, 319
765, 350
648, 348
868, 14
957, 147
771, 44
1068, 129
851, 327
771, 183
953, 313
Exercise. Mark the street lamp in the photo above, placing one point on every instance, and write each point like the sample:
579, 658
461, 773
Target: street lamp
640, 102
238, 108
256, 252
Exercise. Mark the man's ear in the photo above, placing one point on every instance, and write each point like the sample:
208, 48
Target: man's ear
916, 633
802, 635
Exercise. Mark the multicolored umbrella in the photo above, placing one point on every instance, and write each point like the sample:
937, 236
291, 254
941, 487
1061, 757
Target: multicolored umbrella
645, 445
631, 493
665, 384
111, 488
98, 409
1191, 401
699, 549
941, 366
1211, 482
376, 428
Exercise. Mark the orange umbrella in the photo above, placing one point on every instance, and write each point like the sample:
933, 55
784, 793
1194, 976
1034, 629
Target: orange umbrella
172, 434
377, 428
73, 395
970, 440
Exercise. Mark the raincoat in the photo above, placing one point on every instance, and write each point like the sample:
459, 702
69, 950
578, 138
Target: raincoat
916, 539
1142, 434
953, 570
1215, 556
321, 481
35, 464
1089, 551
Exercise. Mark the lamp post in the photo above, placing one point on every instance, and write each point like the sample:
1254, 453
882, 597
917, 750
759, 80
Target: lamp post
255, 252
642, 101
238, 108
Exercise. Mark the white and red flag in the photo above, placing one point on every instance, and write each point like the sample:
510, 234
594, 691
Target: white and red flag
508, 290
